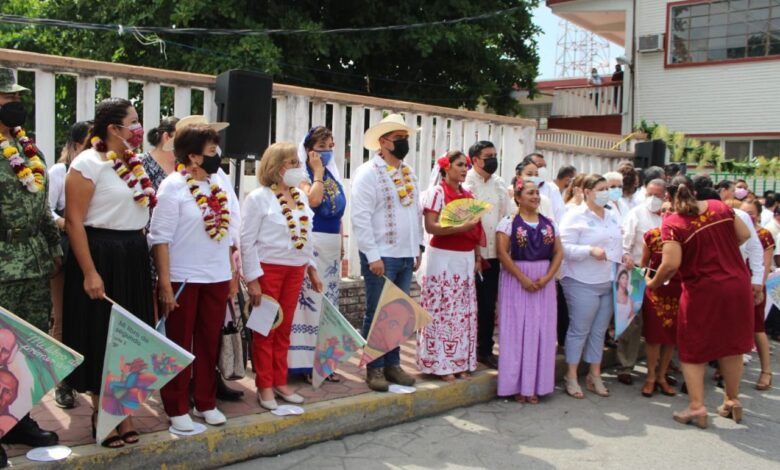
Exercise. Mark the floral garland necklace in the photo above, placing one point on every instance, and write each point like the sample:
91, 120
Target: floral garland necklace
217, 218
132, 173
403, 183
298, 237
31, 176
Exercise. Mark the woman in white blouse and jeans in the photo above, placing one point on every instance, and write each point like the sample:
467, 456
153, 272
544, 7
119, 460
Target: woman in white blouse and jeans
190, 236
591, 239
275, 254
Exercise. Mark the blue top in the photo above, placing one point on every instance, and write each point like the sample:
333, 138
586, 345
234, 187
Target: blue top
327, 216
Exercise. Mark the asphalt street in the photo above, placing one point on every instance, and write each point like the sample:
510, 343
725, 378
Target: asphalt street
623, 431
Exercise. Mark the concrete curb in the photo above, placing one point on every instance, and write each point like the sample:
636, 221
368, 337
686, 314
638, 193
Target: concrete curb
265, 434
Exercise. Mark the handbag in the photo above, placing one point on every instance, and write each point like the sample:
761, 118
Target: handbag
232, 362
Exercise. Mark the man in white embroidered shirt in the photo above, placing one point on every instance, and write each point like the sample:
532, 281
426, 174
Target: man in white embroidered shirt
387, 222
639, 220
490, 188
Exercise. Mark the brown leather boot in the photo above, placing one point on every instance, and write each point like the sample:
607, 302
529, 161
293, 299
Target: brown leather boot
375, 378
396, 375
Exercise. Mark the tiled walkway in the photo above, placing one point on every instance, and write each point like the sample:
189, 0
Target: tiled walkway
73, 426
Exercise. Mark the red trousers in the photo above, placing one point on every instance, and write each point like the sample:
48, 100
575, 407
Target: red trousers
196, 325
269, 353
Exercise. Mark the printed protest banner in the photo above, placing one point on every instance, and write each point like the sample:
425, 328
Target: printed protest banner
772, 292
31, 364
628, 291
138, 361
396, 318
337, 341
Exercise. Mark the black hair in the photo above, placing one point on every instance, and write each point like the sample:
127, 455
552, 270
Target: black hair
315, 135
566, 171
452, 155
109, 111
770, 200
521, 166
166, 126
672, 169
681, 191
476, 149
724, 184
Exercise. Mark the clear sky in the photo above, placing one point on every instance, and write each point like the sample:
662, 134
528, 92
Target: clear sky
548, 22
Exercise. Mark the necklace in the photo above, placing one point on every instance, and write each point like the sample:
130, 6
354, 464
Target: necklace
31, 176
132, 173
214, 209
402, 178
298, 237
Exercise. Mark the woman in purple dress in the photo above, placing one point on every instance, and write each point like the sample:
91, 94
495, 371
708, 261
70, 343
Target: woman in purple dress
530, 253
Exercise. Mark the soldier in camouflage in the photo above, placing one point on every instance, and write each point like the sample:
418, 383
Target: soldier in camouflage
30, 251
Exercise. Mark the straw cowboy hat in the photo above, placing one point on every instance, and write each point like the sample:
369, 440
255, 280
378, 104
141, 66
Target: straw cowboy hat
8, 82
194, 120
393, 122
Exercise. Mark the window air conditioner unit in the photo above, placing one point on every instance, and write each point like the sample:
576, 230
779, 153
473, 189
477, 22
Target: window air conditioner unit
651, 43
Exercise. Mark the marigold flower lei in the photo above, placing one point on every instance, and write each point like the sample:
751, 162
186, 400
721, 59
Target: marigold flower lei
32, 175
298, 237
217, 222
132, 173
403, 183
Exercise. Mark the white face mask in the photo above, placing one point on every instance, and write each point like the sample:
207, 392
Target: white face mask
294, 176
535, 179
654, 203
543, 173
602, 198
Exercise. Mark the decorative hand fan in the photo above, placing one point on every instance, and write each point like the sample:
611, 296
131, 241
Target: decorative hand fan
460, 211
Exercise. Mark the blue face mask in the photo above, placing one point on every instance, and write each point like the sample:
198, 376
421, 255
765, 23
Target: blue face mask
615, 193
325, 156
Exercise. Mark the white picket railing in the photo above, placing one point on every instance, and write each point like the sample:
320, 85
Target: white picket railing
296, 110
603, 100
591, 140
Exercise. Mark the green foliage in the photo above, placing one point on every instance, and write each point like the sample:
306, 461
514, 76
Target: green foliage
454, 65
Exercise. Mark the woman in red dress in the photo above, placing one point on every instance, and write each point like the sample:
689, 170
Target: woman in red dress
753, 209
659, 315
715, 320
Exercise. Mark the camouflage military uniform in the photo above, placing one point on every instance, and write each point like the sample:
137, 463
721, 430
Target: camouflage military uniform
29, 241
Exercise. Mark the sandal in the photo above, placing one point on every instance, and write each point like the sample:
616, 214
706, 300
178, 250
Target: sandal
520, 398
686, 417
763, 387
573, 388
533, 400
334, 377
109, 441
464, 376
731, 410
665, 388
448, 378
131, 437
596, 385
648, 389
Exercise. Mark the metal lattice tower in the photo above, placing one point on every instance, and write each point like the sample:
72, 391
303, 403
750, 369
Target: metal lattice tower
578, 50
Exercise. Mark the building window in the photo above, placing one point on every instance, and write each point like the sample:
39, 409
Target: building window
766, 148
737, 149
724, 30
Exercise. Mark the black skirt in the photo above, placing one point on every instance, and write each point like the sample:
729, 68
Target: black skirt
122, 260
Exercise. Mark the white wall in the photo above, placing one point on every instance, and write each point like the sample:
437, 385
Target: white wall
733, 98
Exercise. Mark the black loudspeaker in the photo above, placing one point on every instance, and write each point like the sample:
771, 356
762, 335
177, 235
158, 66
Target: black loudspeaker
243, 99
651, 153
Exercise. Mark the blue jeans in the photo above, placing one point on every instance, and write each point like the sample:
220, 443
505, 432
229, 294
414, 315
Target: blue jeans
399, 271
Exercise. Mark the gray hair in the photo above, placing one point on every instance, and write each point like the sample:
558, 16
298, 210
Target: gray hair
661, 183
652, 173
613, 175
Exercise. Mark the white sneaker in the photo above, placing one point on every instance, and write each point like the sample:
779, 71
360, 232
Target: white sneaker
213, 417
182, 423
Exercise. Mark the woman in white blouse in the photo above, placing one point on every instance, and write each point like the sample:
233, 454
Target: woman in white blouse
193, 216
107, 209
591, 246
75, 143
275, 254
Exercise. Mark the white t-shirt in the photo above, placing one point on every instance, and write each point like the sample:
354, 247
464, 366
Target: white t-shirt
177, 220
112, 206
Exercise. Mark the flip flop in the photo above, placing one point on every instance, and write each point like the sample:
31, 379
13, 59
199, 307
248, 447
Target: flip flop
129, 435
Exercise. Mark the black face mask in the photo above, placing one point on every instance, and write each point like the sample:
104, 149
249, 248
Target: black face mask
400, 148
211, 163
491, 165
13, 114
